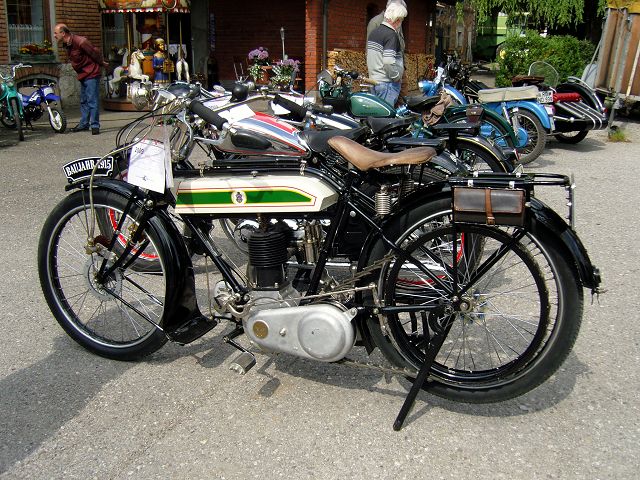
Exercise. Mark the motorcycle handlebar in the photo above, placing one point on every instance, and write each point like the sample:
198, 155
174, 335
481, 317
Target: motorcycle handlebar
207, 114
293, 107
299, 110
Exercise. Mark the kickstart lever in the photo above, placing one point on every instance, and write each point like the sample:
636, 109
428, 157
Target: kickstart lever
246, 360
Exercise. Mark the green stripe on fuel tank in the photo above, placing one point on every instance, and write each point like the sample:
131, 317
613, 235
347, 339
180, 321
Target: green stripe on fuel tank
253, 197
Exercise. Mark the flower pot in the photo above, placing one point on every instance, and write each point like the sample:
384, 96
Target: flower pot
263, 78
34, 58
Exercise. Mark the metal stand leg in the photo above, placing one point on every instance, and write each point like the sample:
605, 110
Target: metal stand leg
423, 373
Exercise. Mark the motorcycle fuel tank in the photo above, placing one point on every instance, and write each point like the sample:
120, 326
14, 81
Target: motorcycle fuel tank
249, 194
364, 104
262, 134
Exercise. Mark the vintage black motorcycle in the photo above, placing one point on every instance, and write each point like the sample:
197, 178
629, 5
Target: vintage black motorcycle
471, 283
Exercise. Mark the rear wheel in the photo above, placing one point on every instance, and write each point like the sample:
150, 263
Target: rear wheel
115, 316
515, 320
572, 137
15, 109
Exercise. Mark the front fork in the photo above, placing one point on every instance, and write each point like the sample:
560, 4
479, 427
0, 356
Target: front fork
512, 116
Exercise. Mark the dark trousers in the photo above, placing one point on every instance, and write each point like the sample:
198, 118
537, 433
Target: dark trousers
90, 102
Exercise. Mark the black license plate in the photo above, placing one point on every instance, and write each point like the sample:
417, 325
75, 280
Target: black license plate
82, 168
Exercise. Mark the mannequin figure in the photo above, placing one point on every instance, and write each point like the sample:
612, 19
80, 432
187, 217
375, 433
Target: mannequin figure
160, 76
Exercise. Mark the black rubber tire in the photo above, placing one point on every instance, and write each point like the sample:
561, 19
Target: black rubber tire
61, 125
564, 323
537, 136
572, 139
15, 109
88, 311
5, 120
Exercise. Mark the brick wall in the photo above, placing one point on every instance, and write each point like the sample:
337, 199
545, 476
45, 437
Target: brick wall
4, 34
242, 26
82, 17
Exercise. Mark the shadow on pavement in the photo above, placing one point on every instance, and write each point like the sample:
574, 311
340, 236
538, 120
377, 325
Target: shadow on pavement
41, 398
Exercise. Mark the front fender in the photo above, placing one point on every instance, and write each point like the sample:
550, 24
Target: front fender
534, 107
493, 115
456, 94
181, 308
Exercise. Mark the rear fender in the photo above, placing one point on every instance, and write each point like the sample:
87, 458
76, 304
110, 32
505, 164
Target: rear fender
182, 307
534, 107
588, 96
546, 223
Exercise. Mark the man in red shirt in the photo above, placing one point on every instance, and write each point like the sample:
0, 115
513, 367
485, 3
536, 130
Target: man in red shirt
87, 61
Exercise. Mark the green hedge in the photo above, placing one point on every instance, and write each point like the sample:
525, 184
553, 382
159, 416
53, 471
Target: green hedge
565, 53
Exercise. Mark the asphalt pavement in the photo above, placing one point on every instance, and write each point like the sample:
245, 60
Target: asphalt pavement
181, 413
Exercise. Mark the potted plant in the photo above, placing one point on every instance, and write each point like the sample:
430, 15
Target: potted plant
36, 51
284, 72
259, 68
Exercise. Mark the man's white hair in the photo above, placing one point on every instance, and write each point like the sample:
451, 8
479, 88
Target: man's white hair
401, 2
395, 11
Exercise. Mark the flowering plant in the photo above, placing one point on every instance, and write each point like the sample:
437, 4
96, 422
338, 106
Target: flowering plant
259, 58
284, 71
260, 55
43, 48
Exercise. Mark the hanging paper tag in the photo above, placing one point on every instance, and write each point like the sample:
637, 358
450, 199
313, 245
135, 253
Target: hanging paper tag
147, 165
167, 159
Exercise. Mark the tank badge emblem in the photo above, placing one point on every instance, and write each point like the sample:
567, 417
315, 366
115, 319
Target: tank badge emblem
238, 197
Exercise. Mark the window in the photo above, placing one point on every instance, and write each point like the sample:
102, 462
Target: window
28, 23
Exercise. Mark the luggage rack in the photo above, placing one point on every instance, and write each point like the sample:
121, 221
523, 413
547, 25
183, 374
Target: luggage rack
525, 181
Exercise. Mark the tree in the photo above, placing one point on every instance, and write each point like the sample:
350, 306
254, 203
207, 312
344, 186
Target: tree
566, 16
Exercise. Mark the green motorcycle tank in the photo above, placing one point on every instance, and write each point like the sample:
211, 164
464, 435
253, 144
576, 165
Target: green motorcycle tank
364, 104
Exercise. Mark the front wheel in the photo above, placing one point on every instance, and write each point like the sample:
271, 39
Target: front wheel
114, 316
57, 120
514, 303
572, 137
15, 109
535, 132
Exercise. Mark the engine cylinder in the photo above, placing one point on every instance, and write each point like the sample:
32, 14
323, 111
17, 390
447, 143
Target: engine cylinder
267, 257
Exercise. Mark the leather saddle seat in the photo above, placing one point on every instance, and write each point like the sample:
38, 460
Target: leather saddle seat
365, 159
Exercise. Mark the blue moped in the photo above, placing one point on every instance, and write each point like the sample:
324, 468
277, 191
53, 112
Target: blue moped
11, 109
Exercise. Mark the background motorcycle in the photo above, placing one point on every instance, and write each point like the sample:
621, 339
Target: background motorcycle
519, 105
42, 100
11, 111
576, 108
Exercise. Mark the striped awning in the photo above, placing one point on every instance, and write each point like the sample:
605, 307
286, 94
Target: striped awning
121, 6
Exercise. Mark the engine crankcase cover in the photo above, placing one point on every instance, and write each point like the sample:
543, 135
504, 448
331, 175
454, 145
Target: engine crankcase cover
321, 332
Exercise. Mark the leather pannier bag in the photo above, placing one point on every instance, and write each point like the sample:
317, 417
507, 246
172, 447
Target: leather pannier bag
489, 206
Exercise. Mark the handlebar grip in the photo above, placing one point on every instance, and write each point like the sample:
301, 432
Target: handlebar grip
326, 109
293, 107
207, 114
368, 80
